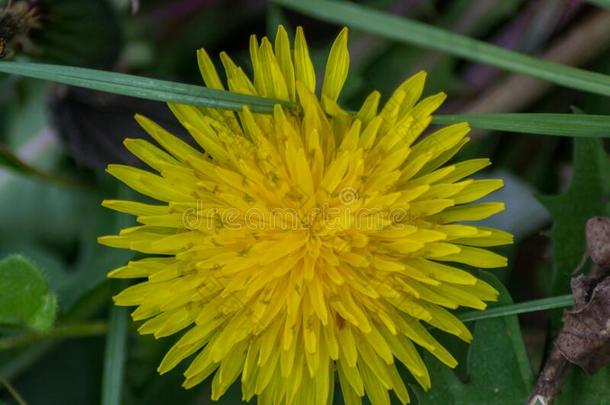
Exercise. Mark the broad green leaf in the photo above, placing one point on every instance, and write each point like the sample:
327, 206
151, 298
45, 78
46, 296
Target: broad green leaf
421, 34
574, 125
136, 86
580, 388
16, 362
24, 296
45, 257
586, 197
498, 368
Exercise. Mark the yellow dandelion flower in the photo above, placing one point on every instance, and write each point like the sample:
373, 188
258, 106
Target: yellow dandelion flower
309, 244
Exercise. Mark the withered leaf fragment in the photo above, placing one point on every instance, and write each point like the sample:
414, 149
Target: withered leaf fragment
585, 339
17, 19
598, 240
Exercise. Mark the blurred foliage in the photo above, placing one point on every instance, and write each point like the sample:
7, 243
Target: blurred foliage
49, 131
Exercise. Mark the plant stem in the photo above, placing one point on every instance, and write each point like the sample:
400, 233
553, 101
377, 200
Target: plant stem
553, 374
13, 162
18, 398
95, 328
550, 380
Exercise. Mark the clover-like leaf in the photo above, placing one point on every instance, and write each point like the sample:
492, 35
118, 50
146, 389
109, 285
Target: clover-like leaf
24, 296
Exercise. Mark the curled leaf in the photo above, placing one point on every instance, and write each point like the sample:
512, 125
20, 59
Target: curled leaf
585, 340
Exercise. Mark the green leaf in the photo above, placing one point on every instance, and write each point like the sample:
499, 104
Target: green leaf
421, 34
580, 388
136, 86
24, 296
44, 317
19, 361
114, 357
498, 368
585, 197
574, 125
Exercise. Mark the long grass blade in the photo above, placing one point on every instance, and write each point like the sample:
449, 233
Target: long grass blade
119, 83
544, 304
424, 35
588, 126
114, 357
137, 86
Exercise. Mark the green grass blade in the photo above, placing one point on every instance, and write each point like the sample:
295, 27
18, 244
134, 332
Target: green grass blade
588, 126
94, 328
12, 391
11, 161
114, 357
119, 83
136, 86
561, 301
417, 33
